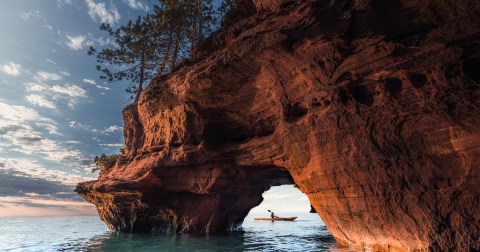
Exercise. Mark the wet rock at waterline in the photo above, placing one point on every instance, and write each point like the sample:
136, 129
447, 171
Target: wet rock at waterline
370, 107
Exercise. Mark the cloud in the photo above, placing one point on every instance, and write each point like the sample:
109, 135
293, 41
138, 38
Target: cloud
70, 90
101, 41
283, 199
86, 127
60, 3
2, 148
70, 157
40, 101
27, 15
31, 169
28, 141
51, 61
31, 207
17, 131
72, 142
49, 27
280, 195
46, 96
75, 43
19, 189
18, 115
50, 128
112, 129
112, 145
92, 82
11, 69
47, 76
32, 194
79, 42
30, 184
49, 201
136, 4
78, 125
19, 184
102, 87
65, 73
34, 87
41, 201
100, 11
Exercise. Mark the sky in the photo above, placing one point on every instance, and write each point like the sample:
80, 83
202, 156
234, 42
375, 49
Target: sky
56, 114
283, 199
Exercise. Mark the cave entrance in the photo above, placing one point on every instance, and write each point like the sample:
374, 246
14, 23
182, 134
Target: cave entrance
306, 233
282, 199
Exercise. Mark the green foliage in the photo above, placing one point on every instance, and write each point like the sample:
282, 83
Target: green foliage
133, 58
154, 44
105, 162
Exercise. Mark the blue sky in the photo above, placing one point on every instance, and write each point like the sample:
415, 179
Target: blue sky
56, 114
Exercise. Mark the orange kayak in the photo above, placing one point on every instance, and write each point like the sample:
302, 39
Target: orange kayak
277, 219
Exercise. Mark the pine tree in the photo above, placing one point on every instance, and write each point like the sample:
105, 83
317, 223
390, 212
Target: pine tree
223, 8
170, 24
154, 44
135, 56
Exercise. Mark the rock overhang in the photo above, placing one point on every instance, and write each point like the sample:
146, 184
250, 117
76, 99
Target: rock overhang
371, 111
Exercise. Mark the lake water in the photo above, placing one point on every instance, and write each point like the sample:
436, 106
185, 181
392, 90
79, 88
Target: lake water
88, 233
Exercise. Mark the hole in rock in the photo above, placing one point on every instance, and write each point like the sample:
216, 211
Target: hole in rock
362, 95
282, 199
316, 102
286, 201
296, 110
471, 67
418, 80
226, 131
394, 86
452, 70
343, 95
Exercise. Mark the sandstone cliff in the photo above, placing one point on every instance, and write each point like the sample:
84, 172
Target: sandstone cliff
371, 107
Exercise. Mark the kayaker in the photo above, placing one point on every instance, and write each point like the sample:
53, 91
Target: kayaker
272, 214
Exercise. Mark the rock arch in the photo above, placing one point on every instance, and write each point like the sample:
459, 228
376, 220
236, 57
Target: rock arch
387, 165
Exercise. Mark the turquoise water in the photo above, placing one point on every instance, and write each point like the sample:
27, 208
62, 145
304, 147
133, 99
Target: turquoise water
88, 233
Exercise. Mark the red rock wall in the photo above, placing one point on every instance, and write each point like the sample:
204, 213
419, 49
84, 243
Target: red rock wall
370, 107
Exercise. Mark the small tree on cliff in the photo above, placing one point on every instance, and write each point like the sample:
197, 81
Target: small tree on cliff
133, 58
105, 162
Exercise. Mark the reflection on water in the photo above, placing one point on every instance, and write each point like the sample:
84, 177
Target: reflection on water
235, 241
307, 233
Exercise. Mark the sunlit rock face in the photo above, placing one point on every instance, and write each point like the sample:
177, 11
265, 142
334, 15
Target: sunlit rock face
370, 107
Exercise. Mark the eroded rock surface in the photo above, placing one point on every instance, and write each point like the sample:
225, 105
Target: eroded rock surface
371, 107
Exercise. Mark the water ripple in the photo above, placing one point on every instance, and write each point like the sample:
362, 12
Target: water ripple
85, 234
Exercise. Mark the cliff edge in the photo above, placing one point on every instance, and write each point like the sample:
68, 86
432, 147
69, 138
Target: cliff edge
371, 107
